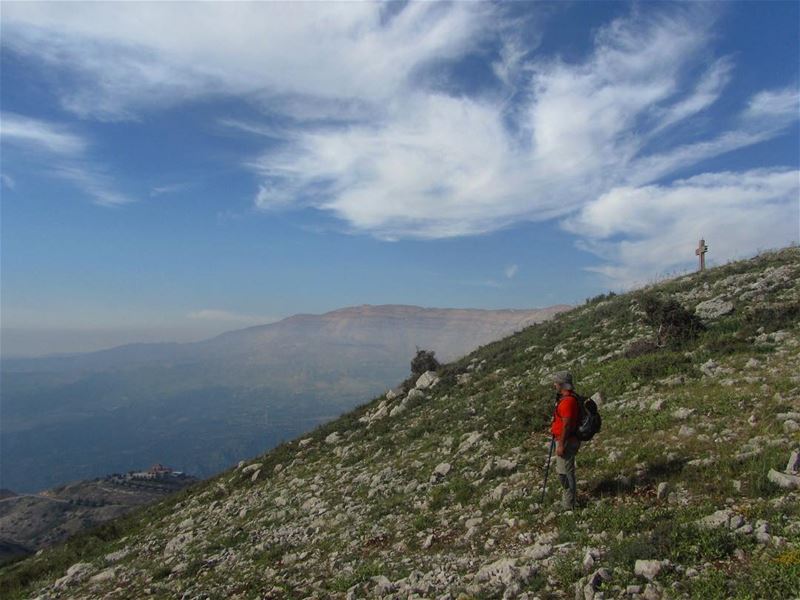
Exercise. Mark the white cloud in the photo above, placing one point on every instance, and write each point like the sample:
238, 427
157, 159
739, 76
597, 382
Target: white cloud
7, 181
212, 314
169, 188
511, 271
24, 131
435, 165
60, 153
659, 226
783, 103
132, 56
707, 90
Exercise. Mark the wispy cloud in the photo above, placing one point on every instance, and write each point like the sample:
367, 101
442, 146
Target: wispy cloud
26, 132
60, 153
511, 271
171, 188
127, 57
7, 181
213, 314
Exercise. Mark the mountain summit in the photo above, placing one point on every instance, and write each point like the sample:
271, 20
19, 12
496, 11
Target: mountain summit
434, 493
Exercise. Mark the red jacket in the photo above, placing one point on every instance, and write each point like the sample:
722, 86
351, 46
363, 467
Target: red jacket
567, 408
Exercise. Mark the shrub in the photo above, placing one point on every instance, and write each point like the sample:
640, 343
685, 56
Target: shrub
640, 348
673, 323
774, 316
425, 360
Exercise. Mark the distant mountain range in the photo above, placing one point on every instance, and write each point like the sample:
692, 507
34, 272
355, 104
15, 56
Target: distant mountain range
201, 406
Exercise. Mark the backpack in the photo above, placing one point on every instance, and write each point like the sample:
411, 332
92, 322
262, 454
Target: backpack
589, 421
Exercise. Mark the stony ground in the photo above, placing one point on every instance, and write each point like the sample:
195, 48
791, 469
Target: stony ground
434, 493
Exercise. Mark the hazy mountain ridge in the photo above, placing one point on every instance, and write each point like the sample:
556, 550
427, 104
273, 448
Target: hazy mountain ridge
434, 493
241, 391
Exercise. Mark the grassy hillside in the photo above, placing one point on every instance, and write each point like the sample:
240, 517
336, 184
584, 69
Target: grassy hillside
435, 494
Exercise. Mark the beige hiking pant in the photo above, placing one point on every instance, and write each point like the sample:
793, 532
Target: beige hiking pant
565, 467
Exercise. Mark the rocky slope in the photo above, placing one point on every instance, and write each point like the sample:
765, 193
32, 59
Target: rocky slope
434, 493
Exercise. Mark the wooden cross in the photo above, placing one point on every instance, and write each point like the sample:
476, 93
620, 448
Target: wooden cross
701, 252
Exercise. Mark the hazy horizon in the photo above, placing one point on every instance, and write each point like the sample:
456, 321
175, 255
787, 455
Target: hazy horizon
38, 343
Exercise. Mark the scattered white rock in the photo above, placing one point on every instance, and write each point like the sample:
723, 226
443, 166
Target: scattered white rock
682, 413
415, 393
250, 468
649, 569
787, 481
178, 543
662, 492
104, 576
427, 380
333, 438
470, 439
793, 466
75, 574
714, 308
440, 472
753, 363
117, 556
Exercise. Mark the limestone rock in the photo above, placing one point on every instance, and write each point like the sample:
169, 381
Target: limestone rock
333, 438
683, 413
714, 308
440, 472
426, 380
785, 480
415, 393
722, 518
793, 466
75, 574
709, 368
104, 576
649, 569
470, 439
662, 491
178, 543
113, 557
503, 573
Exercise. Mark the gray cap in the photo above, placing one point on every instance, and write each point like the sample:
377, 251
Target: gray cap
564, 379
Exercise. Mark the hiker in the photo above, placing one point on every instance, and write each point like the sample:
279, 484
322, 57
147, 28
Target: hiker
563, 428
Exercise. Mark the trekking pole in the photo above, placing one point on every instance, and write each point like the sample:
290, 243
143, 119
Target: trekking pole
547, 469
549, 456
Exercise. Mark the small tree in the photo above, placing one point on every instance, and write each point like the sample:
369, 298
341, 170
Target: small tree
425, 360
673, 323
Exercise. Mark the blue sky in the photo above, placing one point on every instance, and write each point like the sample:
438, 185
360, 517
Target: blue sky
174, 170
